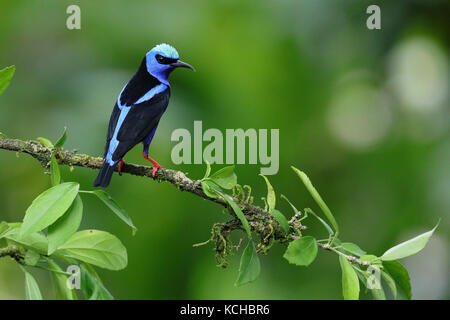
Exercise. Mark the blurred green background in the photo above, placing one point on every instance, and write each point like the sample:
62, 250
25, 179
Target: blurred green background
364, 112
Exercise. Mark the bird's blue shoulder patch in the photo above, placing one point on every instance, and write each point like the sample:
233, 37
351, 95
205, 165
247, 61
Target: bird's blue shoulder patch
167, 50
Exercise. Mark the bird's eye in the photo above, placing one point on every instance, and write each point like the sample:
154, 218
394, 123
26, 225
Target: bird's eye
160, 58
164, 60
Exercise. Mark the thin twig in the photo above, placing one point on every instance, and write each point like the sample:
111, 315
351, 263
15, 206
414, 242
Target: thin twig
349, 258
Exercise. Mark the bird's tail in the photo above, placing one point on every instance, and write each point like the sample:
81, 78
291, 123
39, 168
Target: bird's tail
105, 175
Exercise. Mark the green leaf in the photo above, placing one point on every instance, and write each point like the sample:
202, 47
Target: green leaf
36, 241
281, 219
353, 249
369, 257
207, 190
271, 198
408, 248
350, 282
236, 210
60, 231
390, 282
47, 143
91, 285
316, 196
59, 280
32, 257
3, 136
6, 75
55, 175
48, 207
32, 291
14, 225
378, 294
92, 271
114, 206
249, 268
3, 227
301, 252
208, 170
401, 277
97, 247
61, 140
225, 177
363, 278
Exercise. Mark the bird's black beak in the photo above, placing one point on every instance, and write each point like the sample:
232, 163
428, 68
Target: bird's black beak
181, 64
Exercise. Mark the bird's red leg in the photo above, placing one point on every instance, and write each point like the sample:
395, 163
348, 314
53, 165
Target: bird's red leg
156, 165
120, 166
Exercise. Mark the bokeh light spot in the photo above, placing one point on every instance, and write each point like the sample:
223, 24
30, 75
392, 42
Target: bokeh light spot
359, 116
418, 74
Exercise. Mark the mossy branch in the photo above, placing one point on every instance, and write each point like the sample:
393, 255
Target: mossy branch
261, 222
257, 217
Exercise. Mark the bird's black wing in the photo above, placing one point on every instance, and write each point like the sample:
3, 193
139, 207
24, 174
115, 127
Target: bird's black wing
140, 122
111, 127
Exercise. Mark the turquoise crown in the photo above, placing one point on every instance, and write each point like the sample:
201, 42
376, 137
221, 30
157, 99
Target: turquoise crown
167, 50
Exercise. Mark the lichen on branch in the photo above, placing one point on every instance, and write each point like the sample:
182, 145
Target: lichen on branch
260, 221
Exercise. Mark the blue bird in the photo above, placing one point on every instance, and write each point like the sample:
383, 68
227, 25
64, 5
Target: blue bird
138, 109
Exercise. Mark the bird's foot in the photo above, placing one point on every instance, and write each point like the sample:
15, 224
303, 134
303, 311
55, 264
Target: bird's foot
156, 165
120, 166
